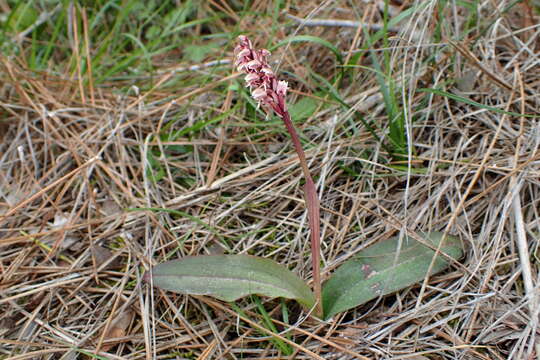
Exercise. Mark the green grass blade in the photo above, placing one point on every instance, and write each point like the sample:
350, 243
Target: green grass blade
313, 39
181, 213
142, 47
474, 103
331, 90
201, 124
286, 349
393, 22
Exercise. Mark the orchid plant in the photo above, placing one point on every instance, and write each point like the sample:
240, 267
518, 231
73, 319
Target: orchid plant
377, 270
270, 94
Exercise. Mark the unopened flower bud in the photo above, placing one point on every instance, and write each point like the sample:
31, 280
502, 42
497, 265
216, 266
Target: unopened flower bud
243, 52
251, 77
258, 94
253, 64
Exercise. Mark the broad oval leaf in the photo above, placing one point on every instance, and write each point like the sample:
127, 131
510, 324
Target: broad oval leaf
384, 268
230, 277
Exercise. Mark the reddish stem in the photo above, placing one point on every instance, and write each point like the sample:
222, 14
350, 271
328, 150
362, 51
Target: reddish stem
313, 208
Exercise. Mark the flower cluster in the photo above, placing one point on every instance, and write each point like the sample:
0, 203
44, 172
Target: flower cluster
265, 88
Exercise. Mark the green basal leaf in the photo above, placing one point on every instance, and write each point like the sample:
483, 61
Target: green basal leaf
230, 277
384, 268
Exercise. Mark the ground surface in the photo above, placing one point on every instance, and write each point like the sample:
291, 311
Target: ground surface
127, 139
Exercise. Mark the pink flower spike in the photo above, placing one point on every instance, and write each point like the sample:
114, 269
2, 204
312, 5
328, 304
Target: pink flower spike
265, 87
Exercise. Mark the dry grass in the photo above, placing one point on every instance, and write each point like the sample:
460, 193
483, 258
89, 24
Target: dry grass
74, 167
